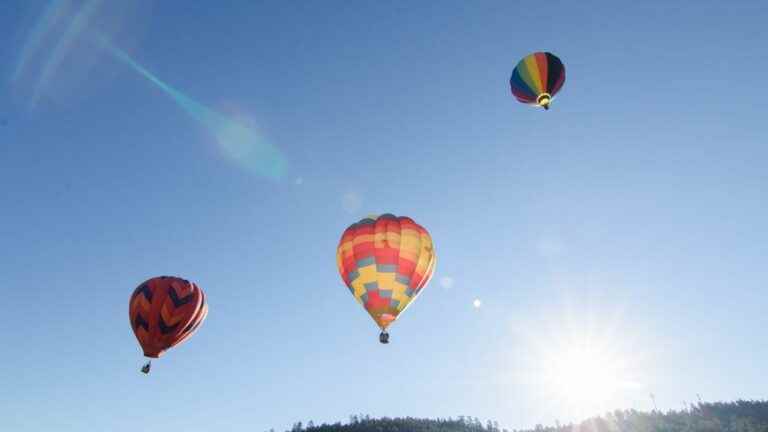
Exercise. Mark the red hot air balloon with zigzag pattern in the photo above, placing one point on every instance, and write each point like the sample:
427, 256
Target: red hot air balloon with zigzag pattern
164, 312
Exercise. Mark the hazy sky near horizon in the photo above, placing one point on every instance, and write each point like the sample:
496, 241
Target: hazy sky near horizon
621, 234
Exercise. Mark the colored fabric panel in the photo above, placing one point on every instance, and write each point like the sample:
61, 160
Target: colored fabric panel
385, 262
164, 312
537, 74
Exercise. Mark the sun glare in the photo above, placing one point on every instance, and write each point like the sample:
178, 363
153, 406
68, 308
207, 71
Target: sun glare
584, 375
579, 360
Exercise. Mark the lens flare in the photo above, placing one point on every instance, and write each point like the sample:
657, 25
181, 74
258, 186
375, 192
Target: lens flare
351, 202
75, 28
52, 14
56, 57
581, 358
239, 142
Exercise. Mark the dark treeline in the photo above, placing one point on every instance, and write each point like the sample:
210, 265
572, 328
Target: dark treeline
739, 416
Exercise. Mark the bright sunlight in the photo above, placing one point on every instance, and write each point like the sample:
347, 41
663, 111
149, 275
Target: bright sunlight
584, 374
579, 360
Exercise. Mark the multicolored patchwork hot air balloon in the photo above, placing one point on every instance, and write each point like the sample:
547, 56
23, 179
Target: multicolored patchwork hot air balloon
164, 312
537, 79
385, 261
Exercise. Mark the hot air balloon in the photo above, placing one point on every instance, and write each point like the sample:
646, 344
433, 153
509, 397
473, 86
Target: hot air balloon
164, 312
537, 79
385, 261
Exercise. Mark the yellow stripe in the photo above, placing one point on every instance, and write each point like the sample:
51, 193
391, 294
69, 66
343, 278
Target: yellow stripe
534, 75
368, 274
363, 238
426, 259
399, 295
391, 239
410, 241
346, 248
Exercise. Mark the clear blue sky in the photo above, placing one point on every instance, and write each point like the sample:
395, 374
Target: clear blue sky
631, 215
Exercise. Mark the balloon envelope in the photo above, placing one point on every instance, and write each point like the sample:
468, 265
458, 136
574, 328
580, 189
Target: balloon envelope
537, 78
385, 261
164, 312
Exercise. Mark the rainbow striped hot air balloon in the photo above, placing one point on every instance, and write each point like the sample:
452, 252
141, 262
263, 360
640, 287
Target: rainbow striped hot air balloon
385, 262
537, 78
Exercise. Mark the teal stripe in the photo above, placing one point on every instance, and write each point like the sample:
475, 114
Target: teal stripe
366, 262
354, 274
520, 84
386, 268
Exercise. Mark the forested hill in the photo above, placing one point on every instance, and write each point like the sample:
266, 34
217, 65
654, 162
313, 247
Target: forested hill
740, 416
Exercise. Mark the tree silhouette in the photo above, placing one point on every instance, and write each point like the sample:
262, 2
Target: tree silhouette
738, 416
